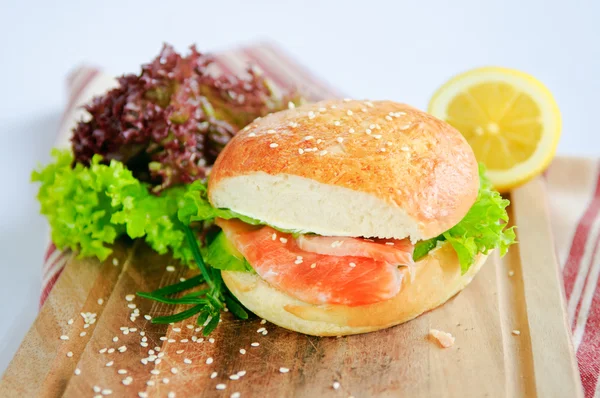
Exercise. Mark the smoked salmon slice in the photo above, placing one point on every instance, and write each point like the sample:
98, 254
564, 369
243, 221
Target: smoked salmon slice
312, 277
393, 251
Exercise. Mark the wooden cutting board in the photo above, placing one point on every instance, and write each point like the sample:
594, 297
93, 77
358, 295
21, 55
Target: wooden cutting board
487, 360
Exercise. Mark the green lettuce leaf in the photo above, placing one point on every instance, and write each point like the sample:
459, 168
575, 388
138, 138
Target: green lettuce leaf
221, 254
482, 229
89, 207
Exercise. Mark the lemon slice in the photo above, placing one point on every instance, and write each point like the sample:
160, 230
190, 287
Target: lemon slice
509, 118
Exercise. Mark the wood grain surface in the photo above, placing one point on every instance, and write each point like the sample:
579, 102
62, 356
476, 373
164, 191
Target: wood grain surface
487, 360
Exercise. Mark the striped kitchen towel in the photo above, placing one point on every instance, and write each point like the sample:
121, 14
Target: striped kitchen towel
573, 185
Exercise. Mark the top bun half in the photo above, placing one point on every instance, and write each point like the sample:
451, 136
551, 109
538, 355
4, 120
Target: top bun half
349, 168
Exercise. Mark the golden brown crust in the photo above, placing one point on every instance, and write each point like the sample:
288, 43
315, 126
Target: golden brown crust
437, 278
395, 152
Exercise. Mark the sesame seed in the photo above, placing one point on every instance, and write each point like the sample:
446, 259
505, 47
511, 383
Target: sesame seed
183, 340
319, 141
144, 361
235, 395
177, 330
369, 104
77, 371
313, 265
100, 301
106, 391
368, 131
336, 123
255, 344
103, 350
388, 117
115, 339
372, 126
148, 317
142, 394
127, 381
171, 394
291, 105
111, 350
404, 148
170, 268
404, 127
308, 138
511, 273
162, 338
298, 261
283, 240
252, 135
352, 265
516, 332
150, 383
323, 153
171, 341
321, 109
122, 371
179, 351
144, 339
260, 330
311, 115
283, 370
130, 297
188, 361
389, 143
364, 109
347, 100
209, 360
96, 389
271, 131
213, 375
274, 236
221, 386
234, 377
349, 112
336, 385
82, 334
389, 243
242, 351
241, 373
382, 149
155, 371
340, 140
174, 371
165, 380
109, 363
211, 340
273, 145
122, 348
160, 354
377, 136
263, 321
264, 333
300, 151
64, 337
70, 354
115, 261
70, 321
131, 305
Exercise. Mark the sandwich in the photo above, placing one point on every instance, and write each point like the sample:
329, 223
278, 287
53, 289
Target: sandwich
352, 216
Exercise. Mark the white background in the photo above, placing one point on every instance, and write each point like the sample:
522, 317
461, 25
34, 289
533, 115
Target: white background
401, 50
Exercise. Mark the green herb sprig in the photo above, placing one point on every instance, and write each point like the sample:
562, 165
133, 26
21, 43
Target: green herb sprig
206, 303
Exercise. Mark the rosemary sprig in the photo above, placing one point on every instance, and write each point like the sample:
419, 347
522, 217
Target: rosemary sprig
207, 303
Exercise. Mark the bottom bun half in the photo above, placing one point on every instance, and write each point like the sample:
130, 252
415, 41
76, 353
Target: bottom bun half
436, 279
